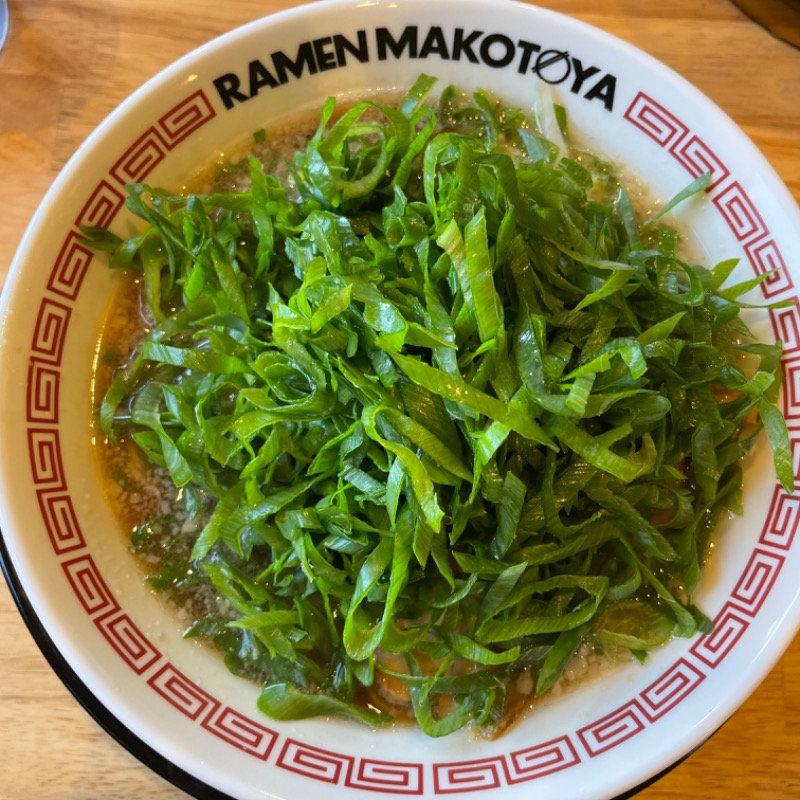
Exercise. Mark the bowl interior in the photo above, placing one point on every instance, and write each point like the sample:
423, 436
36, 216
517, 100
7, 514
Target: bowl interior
64, 541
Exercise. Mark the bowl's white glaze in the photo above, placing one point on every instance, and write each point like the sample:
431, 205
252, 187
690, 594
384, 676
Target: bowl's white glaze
597, 741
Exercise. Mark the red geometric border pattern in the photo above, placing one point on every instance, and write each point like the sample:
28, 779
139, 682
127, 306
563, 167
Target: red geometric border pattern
241, 732
731, 200
757, 580
739, 212
89, 586
42, 399
182, 693
614, 728
468, 776
791, 388
152, 146
60, 520
51, 328
314, 762
540, 760
390, 777
782, 520
71, 265
765, 256
729, 627
101, 207
139, 159
663, 127
183, 120
132, 645
786, 325
699, 158
794, 444
47, 468
674, 685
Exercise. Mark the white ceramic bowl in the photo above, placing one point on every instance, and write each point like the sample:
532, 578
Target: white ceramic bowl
115, 645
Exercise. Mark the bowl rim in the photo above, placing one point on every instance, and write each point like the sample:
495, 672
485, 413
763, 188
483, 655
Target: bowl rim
153, 83
147, 755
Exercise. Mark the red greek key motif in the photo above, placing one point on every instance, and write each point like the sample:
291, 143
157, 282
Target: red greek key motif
150, 149
765, 256
50, 330
791, 388
757, 580
42, 396
244, 733
189, 115
739, 212
44, 448
131, 644
732, 201
659, 124
71, 264
729, 626
314, 762
89, 586
60, 521
680, 680
101, 207
467, 776
386, 776
699, 158
794, 444
613, 729
782, 520
141, 158
786, 324
543, 759
182, 693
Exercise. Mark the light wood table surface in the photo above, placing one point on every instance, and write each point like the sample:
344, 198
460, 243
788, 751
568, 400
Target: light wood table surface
68, 63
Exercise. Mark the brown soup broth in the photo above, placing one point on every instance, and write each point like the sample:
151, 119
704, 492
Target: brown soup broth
144, 498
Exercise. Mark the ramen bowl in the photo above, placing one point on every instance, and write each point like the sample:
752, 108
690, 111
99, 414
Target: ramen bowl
120, 648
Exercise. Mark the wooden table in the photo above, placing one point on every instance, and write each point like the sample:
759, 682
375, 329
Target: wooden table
68, 63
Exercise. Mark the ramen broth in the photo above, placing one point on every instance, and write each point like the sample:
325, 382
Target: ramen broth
147, 502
